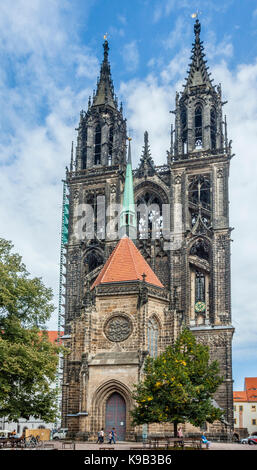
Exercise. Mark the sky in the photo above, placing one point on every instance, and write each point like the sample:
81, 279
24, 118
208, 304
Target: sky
50, 55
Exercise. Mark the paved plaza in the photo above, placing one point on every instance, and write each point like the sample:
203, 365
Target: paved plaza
58, 445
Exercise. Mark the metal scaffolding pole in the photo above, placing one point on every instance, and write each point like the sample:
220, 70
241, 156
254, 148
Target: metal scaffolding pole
64, 240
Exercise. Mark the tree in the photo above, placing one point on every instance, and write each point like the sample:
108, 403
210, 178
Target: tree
28, 361
178, 386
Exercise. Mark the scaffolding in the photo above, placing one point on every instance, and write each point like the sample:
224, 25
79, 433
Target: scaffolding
62, 275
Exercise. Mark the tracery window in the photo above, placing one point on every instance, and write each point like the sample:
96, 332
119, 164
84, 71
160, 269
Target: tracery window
153, 333
198, 127
98, 138
149, 216
199, 198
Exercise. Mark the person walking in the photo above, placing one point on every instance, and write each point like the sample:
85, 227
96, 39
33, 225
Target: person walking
100, 436
113, 436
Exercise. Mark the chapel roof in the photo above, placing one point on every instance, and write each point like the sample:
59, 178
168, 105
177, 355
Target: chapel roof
126, 264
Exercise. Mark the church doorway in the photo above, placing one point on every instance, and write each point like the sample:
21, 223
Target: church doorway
115, 416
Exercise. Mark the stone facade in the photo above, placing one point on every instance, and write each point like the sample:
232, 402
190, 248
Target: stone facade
191, 258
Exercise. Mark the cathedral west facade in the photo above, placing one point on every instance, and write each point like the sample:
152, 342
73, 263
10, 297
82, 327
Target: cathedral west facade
127, 298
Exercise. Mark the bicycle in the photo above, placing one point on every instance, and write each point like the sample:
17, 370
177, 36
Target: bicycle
32, 441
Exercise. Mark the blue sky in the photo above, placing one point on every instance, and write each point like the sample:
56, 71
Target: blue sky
50, 54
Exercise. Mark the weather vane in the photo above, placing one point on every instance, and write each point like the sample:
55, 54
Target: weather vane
106, 36
196, 14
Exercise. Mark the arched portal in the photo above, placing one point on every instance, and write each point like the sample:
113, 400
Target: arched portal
115, 415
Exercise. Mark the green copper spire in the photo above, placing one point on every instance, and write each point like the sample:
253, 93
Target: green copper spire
128, 221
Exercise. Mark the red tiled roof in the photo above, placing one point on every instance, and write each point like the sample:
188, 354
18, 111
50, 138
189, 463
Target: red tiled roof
251, 388
126, 264
53, 335
250, 391
240, 396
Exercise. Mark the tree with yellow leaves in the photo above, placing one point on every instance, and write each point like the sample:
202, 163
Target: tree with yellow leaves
178, 386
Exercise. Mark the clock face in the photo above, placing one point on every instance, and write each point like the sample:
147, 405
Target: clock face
200, 307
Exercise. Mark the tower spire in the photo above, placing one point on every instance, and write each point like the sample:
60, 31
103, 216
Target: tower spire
198, 71
105, 90
128, 224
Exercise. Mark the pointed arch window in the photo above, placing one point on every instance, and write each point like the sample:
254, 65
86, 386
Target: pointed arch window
110, 146
98, 139
199, 287
199, 199
153, 333
84, 150
213, 127
199, 191
198, 127
183, 119
149, 216
93, 260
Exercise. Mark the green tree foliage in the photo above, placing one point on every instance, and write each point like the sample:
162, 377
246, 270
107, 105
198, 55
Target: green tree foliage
28, 361
178, 385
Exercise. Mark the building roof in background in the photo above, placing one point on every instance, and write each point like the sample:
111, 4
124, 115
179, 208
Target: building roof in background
53, 335
250, 391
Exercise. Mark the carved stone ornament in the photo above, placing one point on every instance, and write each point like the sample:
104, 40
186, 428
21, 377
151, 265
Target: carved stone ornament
118, 328
178, 179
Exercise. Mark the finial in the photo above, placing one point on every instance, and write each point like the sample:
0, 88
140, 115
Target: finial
144, 276
106, 47
197, 28
197, 25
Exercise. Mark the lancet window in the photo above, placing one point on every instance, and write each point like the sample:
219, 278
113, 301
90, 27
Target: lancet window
198, 127
98, 139
153, 333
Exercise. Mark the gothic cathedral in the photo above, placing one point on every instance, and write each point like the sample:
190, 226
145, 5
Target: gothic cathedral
128, 297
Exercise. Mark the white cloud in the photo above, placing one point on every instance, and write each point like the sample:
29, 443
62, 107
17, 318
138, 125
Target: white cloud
147, 108
40, 104
131, 56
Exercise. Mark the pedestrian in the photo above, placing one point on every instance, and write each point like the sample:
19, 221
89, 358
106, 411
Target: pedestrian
100, 435
180, 432
110, 437
113, 436
205, 441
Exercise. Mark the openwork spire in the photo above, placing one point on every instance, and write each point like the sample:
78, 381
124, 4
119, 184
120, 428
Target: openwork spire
105, 90
146, 164
198, 72
128, 223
